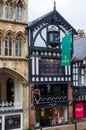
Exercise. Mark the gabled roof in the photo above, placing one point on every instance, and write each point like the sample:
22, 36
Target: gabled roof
52, 17
80, 49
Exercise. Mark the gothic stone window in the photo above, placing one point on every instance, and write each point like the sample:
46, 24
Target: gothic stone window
8, 46
0, 10
18, 13
8, 11
50, 66
18, 46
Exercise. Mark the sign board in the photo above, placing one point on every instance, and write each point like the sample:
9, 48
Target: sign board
79, 110
12, 122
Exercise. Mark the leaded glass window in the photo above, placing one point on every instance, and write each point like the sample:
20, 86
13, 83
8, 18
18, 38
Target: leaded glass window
8, 12
18, 13
0, 10
8, 46
18, 47
50, 66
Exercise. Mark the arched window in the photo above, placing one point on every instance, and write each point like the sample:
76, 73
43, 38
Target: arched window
18, 47
10, 90
0, 45
8, 11
8, 46
0, 10
18, 13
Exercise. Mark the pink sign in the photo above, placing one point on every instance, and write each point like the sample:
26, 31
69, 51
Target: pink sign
79, 110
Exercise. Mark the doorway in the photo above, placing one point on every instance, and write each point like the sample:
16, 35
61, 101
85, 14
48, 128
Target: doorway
10, 90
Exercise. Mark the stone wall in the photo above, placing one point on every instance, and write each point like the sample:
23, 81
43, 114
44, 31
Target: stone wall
80, 126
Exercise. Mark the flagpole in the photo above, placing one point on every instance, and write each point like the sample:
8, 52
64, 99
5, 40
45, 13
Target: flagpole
63, 35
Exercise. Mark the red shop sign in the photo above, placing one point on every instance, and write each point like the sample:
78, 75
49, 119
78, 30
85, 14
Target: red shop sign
79, 110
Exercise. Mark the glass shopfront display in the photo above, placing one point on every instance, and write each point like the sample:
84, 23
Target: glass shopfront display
52, 116
51, 104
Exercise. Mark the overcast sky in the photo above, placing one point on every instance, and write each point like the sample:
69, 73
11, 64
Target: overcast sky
74, 11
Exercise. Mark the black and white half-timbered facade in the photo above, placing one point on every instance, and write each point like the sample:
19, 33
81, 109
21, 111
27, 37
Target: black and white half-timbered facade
79, 73
49, 81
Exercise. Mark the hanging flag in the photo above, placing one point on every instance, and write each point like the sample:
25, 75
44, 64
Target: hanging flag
66, 49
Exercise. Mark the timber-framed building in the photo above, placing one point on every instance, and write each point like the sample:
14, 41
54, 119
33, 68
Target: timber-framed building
50, 83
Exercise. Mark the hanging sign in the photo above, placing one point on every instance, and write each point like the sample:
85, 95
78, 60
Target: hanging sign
66, 49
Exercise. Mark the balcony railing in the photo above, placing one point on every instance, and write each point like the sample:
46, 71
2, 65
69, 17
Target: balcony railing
5, 107
51, 99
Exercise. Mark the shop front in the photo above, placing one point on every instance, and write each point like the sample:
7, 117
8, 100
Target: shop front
51, 105
51, 116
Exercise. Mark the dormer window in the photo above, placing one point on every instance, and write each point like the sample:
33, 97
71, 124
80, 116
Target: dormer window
53, 36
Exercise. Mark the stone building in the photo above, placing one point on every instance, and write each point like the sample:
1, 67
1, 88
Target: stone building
13, 64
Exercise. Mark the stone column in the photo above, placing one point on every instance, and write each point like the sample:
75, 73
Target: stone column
26, 105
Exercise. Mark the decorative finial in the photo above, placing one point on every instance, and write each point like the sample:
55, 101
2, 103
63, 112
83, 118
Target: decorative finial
54, 5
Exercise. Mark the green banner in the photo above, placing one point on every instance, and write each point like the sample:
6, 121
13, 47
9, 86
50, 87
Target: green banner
66, 49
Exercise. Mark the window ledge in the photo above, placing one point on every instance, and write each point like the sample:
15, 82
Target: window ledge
13, 58
13, 21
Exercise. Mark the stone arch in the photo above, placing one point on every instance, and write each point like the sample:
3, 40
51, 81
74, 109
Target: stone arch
20, 34
13, 73
11, 33
2, 34
20, 3
11, 2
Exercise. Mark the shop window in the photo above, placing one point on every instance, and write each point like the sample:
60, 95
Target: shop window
52, 116
8, 11
53, 90
18, 13
18, 47
50, 66
8, 46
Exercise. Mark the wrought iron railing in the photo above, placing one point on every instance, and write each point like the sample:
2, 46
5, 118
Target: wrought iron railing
10, 106
52, 99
